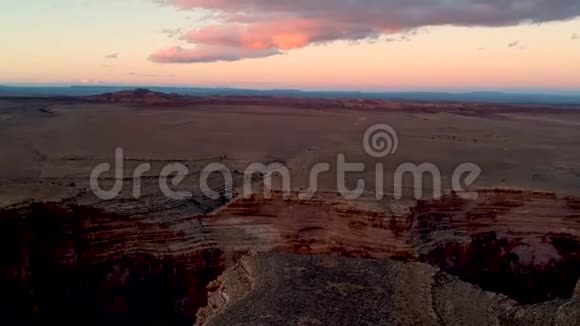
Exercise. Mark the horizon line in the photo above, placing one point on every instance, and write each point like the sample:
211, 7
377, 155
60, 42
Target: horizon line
510, 91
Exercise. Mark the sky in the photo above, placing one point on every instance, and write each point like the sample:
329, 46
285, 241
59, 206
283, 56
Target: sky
374, 45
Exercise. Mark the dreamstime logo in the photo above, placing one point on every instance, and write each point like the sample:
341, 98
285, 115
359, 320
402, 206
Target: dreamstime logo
379, 141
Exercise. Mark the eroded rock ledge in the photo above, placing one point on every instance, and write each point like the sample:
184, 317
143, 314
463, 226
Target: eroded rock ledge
276, 289
72, 265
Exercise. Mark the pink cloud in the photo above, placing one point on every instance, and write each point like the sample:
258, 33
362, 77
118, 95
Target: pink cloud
178, 54
258, 27
284, 34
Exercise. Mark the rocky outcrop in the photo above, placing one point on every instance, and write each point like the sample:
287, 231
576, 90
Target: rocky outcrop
274, 289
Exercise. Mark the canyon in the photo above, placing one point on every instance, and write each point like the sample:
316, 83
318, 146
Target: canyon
73, 264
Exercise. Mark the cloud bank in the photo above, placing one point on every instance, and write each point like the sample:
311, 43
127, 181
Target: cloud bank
259, 28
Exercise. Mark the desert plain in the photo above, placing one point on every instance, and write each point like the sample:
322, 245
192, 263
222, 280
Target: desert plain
509, 255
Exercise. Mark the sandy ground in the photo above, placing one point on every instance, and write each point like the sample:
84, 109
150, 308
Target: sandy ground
49, 150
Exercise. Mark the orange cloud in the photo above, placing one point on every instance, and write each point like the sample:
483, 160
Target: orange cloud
259, 27
284, 35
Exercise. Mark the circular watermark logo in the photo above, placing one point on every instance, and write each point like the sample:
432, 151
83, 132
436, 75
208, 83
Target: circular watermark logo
381, 140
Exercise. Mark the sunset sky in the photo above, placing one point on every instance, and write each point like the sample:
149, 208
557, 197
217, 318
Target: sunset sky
305, 44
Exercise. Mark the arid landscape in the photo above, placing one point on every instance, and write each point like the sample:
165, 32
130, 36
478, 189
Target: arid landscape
290, 163
510, 255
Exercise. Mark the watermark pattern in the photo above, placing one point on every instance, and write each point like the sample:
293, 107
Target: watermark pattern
379, 141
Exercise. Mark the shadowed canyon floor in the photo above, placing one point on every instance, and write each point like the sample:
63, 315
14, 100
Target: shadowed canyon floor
510, 256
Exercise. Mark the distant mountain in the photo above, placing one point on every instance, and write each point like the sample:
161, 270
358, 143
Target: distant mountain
138, 96
161, 93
